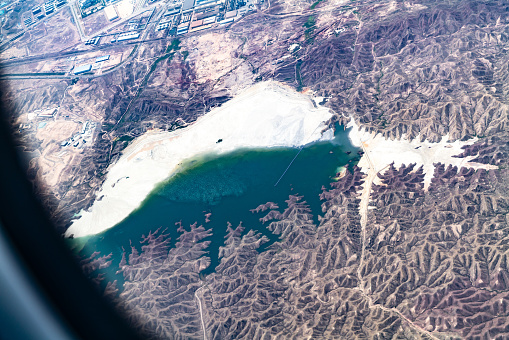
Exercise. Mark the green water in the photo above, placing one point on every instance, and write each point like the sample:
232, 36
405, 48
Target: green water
228, 186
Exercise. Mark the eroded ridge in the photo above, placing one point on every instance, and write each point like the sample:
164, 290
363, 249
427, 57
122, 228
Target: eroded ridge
304, 285
441, 257
158, 295
435, 266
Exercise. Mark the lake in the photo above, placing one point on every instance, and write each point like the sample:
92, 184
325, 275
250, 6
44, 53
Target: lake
227, 186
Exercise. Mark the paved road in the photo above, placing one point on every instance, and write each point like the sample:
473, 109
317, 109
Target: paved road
60, 54
201, 313
372, 173
74, 10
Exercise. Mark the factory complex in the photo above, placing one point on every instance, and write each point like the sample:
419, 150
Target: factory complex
82, 137
41, 11
196, 15
171, 18
177, 17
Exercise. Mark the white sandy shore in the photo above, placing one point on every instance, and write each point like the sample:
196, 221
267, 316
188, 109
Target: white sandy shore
264, 115
379, 153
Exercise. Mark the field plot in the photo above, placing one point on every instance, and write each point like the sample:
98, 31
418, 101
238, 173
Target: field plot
95, 22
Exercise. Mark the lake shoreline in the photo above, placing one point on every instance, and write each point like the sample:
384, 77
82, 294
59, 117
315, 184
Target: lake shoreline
266, 115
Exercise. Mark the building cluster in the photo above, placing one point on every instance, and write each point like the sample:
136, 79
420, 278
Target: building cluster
47, 113
41, 11
40, 113
103, 58
93, 41
81, 137
180, 17
43, 113
196, 15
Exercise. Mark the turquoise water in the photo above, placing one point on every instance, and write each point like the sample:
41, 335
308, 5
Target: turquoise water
227, 186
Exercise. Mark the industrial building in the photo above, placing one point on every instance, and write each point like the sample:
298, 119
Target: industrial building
195, 24
209, 20
172, 11
202, 27
128, 36
28, 22
226, 21
60, 3
183, 28
82, 69
230, 14
49, 8
209, 12
103, 58
206, 3
84, 128
163, 26
48, 113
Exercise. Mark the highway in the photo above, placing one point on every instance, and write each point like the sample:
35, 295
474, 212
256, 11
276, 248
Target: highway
60, 54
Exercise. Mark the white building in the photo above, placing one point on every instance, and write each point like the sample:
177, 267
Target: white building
111, 13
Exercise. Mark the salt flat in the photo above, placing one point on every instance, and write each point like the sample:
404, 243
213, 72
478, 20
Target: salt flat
267, 114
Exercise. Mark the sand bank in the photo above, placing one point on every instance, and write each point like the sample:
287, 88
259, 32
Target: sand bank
264, 115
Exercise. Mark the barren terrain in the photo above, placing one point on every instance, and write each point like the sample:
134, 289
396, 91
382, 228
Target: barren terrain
422, 255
